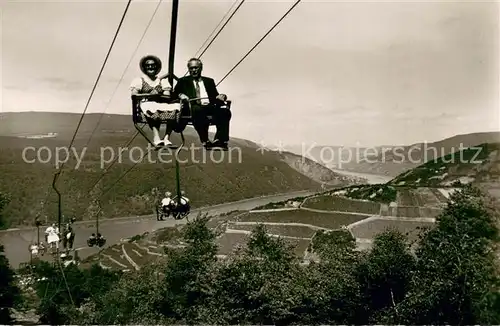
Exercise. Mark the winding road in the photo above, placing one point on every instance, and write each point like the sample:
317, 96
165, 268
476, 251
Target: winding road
16, 241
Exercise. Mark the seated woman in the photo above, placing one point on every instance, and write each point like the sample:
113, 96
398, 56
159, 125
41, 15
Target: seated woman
151, 84
52, 235
166, 202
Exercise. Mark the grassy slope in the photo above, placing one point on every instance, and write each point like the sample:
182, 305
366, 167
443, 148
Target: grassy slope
205, 183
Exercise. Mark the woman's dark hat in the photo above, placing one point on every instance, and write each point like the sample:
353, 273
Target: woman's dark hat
157, 60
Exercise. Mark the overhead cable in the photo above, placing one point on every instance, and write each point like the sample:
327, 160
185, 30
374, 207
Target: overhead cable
125, 71
246, 55
95, 84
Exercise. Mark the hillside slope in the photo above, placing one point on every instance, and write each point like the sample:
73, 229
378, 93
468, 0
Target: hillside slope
476, 165
394, 160
317, 171
207, 177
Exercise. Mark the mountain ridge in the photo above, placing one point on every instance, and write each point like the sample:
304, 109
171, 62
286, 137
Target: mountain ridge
397, 159
207, 177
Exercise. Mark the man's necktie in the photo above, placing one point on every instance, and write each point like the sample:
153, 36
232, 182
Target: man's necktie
197, 91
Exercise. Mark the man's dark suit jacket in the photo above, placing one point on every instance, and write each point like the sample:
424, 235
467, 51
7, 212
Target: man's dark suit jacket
185, 85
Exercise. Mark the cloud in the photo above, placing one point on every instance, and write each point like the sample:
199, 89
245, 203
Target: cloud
12, 87
354, 113
405, 70
63, 84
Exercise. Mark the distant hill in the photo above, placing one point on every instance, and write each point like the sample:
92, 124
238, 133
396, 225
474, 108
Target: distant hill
331, 156
207, 177
317, 171
64, 124
393, 160
476, 165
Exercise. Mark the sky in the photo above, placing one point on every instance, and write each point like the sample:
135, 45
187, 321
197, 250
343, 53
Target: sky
332, 72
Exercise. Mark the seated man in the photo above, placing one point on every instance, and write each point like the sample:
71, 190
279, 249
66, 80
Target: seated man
207, 102
151, 84
184, 203
69, 237
91, 240
100, 240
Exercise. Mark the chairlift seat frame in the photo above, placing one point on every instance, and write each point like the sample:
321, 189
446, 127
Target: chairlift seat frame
185, 118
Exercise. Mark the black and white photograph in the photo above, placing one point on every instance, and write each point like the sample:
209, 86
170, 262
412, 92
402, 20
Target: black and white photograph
249, 162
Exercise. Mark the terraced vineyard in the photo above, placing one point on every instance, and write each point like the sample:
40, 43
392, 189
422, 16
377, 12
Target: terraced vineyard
126, 256
228, 242
369, 229
429, 198
381, 193
282, 204
297, 226
439, 195
420, 197
235, 230
342, 204
413, 211
328, 220
420, 202
284, 230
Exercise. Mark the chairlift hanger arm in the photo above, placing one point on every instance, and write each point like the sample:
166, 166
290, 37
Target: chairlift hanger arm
154, 98
173, 36
149, 95
59, 213
205, 98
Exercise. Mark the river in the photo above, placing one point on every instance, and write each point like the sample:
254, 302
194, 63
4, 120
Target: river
372, 178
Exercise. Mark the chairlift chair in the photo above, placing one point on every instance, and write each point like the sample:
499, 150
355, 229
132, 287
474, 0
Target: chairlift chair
177, 211
139, 118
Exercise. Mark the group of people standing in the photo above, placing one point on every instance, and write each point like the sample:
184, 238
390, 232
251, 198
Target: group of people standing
198, 92
52, 238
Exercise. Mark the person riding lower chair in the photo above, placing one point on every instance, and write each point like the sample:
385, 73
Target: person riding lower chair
196, 86
52, 235
167, 203
69, 237
184, 199
151, 84
184, 202
98, 240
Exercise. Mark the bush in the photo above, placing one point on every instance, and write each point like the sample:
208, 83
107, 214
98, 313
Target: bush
451, 278
10, 294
